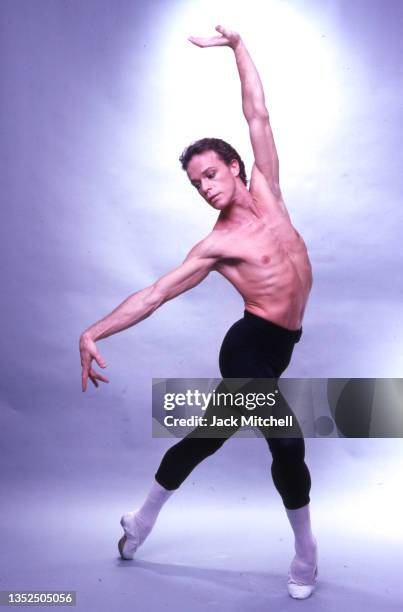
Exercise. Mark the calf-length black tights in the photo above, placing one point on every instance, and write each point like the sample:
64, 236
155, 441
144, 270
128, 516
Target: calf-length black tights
253, 348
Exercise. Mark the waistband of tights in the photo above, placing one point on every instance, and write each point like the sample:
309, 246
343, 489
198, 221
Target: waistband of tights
292, 334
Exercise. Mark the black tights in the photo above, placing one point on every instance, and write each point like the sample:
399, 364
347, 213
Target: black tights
252, 348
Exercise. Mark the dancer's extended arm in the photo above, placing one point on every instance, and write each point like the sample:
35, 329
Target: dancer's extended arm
140, 305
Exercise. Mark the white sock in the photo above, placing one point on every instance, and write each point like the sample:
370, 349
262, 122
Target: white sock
146, 516
304, 563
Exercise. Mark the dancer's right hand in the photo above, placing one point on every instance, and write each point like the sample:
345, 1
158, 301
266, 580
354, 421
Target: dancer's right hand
88, 352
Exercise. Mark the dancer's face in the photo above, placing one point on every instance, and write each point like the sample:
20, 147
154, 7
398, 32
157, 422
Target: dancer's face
214, 180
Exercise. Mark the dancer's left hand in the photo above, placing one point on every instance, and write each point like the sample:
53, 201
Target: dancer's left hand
227, 38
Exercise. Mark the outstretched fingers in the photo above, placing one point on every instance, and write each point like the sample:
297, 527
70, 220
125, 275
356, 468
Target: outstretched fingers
89, 373
84, 380
227, 38
94, 377
212, 41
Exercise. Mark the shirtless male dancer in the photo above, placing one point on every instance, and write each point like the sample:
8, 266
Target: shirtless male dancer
255, 246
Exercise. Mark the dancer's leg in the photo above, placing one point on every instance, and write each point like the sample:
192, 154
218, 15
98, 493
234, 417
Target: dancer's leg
147, 514
292, 480
304, 567
181, 459
304, 563
176, 465
267, 351
289, 471
137, 525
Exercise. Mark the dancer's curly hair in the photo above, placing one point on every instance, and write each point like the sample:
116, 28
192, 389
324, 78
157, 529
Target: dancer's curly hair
224, 151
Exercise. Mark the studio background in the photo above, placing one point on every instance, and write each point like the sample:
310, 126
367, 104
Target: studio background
98, 100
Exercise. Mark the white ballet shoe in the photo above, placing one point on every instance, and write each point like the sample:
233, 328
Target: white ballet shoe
129, 543
298, 590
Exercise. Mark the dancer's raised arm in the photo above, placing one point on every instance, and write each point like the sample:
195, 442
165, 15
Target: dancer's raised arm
253, 105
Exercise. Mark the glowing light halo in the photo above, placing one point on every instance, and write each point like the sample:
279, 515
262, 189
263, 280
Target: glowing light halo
294, 60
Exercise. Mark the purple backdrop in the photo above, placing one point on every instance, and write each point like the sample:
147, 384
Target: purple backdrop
98, 99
